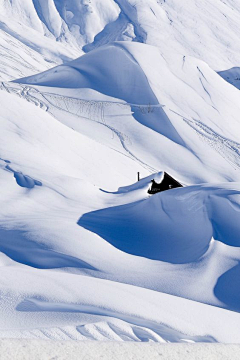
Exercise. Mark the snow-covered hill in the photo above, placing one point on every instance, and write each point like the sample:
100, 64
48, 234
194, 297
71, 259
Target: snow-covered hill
36, 35
86, 252
179, 103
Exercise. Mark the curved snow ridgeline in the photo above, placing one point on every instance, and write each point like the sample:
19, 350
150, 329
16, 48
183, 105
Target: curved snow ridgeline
178, 102
85, 252
175, 226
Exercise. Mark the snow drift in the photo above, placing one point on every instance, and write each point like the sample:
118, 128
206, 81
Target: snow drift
175, 226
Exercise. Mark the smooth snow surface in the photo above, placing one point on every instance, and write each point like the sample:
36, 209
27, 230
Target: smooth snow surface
63, 350
86, 252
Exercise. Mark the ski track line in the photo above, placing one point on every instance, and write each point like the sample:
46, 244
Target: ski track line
24, 92
228, 149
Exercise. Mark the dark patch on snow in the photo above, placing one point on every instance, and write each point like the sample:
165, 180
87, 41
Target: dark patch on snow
21, 179
25, 180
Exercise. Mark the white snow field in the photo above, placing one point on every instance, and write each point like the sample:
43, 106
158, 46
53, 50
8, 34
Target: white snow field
85, 252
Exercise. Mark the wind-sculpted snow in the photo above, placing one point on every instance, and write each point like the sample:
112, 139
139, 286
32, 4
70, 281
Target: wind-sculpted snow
62, 281
141, 329
175, 226
71, 22
182, 102
85, 252
79, 74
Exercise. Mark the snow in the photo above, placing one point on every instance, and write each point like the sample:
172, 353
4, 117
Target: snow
50, 32
86, 252
183, 105
61, 350
152, 291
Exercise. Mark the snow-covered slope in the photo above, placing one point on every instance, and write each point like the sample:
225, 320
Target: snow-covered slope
206, 29
24, 51
59, 280
75, 22
36, 35
39, 34
112, 256
86, 253
195, 100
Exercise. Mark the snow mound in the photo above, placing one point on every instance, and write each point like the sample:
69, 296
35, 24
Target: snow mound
175, 226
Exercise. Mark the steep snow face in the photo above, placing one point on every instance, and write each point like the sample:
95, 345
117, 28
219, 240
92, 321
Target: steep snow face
85, 18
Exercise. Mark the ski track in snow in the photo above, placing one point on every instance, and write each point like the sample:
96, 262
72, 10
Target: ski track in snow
90, 110
228, 149
93, 110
